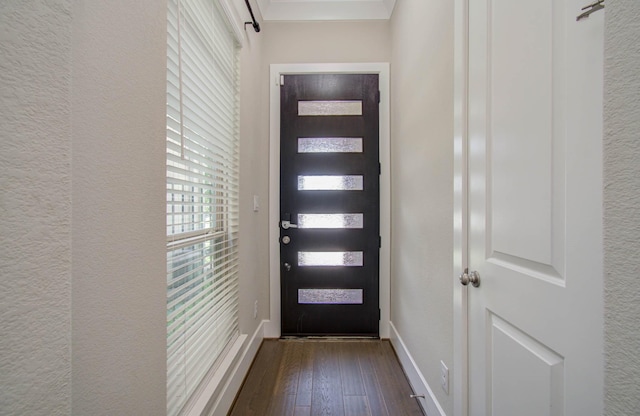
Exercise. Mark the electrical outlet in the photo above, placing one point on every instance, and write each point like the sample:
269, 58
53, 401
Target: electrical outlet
255, 309
444, 377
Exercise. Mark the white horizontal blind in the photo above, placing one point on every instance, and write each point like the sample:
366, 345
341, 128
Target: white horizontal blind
202, 194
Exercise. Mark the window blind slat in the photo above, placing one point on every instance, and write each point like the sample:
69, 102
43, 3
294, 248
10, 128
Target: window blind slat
185, 301
179, 299
177, 335
219, 50
196, 153
204, 346
200, 328
184, 276
193, 55
202, 194
200, 70
199, 143
211, 179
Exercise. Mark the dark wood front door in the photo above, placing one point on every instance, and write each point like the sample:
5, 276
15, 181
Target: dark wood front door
329, 205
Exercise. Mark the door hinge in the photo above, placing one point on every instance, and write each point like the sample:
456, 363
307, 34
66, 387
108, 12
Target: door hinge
378, 97
379, 241
379, 314
281, 80
379, 168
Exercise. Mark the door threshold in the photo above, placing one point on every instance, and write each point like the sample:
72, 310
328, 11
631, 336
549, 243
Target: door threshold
328, 338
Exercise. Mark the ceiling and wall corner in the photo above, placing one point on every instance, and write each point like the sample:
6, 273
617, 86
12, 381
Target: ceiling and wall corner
326, 9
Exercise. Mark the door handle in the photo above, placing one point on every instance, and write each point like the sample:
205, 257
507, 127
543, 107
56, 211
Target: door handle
287, 224
470, 277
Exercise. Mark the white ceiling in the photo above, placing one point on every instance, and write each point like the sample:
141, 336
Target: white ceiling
326, 9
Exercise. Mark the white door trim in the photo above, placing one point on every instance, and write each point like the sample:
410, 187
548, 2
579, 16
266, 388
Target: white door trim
272, 329
460, 208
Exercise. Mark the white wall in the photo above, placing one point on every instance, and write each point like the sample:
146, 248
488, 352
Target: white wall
118, 228
254, 180
35, 207
422, 184
622, 207
325, 42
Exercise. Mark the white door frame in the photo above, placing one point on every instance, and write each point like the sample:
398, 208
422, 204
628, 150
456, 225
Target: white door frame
272, 327
460, 208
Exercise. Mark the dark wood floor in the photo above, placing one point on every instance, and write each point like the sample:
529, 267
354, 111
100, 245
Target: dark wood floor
325, 377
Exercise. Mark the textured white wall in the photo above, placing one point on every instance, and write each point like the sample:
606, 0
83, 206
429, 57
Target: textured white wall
118, 230
35, 207
622, 208
422, 184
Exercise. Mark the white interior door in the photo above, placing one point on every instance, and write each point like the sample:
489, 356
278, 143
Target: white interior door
535, 208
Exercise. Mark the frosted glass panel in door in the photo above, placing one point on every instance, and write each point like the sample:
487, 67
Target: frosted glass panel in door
330, 296
329, 108
330, 258
330, 145
330, 220
330, 183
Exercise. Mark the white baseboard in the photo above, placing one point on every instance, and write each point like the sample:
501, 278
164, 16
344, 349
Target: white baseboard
231, 381
418, 383
272, 328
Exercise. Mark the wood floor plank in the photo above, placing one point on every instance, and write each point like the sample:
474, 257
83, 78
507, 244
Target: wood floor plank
325, 378
393, 383
302, 411
254, 378
283, 400
411, 404
351, 374
256, 394
326, 399
264, 392
282, 405
305, 379
389, 389
289, 371
356, 406
371, 383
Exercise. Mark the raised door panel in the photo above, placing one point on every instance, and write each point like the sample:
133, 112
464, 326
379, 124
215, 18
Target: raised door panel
535, 337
